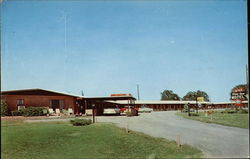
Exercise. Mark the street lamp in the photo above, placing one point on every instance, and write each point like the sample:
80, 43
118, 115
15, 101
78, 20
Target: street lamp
93, 112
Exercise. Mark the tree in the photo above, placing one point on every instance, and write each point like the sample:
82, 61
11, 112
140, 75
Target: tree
169, 95
192, 95
4, 108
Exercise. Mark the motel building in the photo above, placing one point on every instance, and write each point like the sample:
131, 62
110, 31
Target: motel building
17, 99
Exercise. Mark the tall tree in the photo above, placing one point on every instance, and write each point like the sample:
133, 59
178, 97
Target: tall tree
169, 95
192, 95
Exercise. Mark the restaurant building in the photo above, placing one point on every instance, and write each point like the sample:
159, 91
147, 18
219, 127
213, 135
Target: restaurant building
17, 99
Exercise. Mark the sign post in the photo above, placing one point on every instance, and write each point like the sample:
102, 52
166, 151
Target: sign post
93, 112
198, 102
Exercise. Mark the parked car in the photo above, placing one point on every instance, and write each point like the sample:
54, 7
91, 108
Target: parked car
111, 111
145, 109
129, 111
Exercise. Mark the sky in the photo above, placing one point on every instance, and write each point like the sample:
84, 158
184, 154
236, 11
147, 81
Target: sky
105, 47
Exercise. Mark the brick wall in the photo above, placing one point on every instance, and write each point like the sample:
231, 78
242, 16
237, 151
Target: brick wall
38, 101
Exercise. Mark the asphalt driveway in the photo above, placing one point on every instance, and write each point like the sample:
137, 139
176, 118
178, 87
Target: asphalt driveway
214, 140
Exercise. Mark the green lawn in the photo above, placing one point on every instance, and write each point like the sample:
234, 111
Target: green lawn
60, 140
234, 119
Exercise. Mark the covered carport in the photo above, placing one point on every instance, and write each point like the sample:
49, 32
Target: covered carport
98, 104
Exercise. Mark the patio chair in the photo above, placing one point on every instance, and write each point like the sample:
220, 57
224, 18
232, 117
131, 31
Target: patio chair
51, 111
70, 111
58, 111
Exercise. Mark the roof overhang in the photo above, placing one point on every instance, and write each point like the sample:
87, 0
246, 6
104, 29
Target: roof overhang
45, 92
160, 102
111, 98
37, 91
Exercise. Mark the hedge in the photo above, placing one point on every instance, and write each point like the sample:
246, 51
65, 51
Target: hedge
240, 111
80, 122
30, 111
194, 114
4, 108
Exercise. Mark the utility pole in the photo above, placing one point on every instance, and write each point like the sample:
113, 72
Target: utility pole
247, 75
247, 85
138, 93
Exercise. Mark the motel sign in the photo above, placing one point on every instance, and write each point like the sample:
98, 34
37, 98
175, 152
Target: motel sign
238, 95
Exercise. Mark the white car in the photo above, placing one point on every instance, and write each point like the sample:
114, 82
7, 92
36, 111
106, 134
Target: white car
145, 109
111, 111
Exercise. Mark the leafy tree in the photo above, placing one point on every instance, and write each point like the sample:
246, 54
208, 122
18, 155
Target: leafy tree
4, 108
203, 94
192, 95
169, 95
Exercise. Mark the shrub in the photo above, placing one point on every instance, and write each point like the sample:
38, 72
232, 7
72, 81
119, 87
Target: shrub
33, 111
80, 122
230, 111
16, 113
4, 108
194, 114
185, 108
45, 111
243, 111
30, 111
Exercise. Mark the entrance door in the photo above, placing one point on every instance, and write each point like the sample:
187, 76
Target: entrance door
81, 106
55, 104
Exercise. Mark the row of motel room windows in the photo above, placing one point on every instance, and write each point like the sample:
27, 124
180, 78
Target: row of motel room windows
54, 103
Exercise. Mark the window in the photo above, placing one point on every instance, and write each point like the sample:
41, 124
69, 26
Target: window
57, 104
20, 102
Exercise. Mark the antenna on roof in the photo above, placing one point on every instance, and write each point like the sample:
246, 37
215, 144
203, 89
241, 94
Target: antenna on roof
82, 93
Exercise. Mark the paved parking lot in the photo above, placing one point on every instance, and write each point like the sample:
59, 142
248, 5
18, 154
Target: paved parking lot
214, 140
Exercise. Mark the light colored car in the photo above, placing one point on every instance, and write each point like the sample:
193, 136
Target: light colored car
145, 109
129, 111
111, 111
